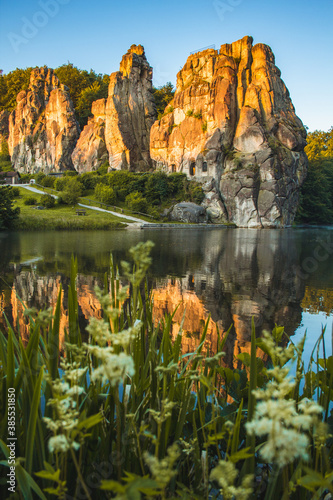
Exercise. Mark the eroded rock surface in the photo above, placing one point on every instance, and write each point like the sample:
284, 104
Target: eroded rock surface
130, 113
232, 122
188, 212
43, 129
90, 151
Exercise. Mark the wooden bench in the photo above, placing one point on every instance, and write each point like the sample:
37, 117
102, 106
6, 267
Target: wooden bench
80, 212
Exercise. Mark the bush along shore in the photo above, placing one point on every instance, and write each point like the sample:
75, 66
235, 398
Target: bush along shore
125, 415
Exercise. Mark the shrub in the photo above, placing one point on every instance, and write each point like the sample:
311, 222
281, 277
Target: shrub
72, 191
103, 169
59, 184
47, 201
136, 202
157, 187
15, 192
39, 177
30, 200
89, 180
48, 181
105, 194
196, 193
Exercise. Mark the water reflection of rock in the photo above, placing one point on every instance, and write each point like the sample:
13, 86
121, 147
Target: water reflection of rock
242, 277
233, 275
31, 290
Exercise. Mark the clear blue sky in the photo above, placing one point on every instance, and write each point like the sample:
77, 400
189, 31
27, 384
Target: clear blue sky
95, 34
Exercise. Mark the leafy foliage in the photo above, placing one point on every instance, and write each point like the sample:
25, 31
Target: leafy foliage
8, 214
316, 199
10, 85
72, 191
84, 88
136, 202
163, 96
105, 194
47, 201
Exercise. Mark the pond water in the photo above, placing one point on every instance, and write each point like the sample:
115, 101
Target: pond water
282, 277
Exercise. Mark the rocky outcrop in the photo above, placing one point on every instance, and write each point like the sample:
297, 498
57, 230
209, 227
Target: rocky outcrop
90, 151
188, 212
43, 129
233, 126
130, 113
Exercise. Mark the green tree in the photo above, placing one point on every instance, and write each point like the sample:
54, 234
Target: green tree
316, 196
157, 187
136, 202
105, 194
84, 88
72, 191
8, 214
163, 96
11, 84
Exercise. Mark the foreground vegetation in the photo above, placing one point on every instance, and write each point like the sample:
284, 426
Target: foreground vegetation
119, 412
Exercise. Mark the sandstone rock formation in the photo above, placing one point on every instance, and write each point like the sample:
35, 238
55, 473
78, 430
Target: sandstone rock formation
233, 126
130, 113
90, 151
43, 129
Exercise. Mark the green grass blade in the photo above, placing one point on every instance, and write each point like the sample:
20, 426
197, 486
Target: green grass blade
29, 446
53, 341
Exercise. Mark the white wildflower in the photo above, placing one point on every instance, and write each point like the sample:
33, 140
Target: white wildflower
162, 470
278, 418
99, 330
165, 413
114, 368
225, 473
61, 444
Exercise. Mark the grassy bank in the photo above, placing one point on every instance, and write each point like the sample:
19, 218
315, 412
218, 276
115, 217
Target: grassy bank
62, 217
128, 416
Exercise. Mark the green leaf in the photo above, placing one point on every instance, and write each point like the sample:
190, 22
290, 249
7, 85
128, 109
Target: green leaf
26, 484
245, 358
53, 343
52, 476
240, 455
10, 360
90, 421
29, 447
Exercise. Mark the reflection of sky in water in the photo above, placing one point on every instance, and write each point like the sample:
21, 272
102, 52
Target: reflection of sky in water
312, 324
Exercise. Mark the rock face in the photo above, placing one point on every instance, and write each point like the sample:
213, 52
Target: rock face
130, 113
90, 151
233, 126
188, 212
43, 129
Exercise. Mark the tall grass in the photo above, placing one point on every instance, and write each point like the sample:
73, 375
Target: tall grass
128, 416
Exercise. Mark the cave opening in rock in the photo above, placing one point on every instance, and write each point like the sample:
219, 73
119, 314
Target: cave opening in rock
192, 168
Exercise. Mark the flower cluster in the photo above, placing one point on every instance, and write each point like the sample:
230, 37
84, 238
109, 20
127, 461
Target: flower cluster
225, 473
278, 418
162, 470
65, 416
